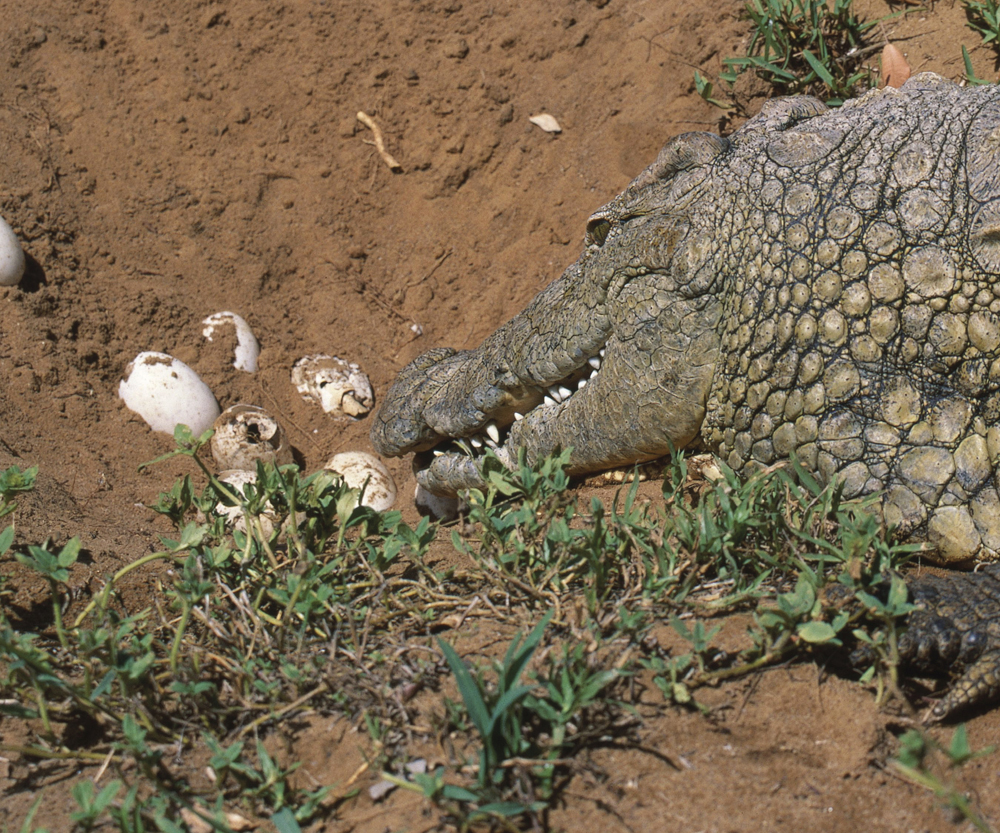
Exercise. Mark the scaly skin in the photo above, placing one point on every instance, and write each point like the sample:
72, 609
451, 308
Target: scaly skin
957, 625
821, 282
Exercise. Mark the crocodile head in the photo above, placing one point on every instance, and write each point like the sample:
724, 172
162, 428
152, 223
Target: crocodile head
614, 359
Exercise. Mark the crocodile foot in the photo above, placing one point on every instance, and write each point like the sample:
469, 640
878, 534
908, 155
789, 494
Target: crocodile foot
956, 627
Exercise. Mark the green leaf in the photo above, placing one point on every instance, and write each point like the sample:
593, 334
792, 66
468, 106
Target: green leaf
467, 688
818, 68
817, 632
68, 554
455, 793
6, 539
959, 751
507, 809
284, 821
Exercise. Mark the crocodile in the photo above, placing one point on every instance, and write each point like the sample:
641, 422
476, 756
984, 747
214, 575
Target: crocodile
823, 284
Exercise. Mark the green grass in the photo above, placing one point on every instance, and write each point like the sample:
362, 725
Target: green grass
307, 611
803, 46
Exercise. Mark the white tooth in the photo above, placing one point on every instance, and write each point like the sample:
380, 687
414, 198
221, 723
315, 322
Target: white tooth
602, 351
548, 400
493, 431
476, 442
554, 393
518, 417
565, 392
594, 362
438, 453
581, 384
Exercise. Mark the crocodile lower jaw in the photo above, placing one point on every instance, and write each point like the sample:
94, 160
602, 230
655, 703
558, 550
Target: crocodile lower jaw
493, 435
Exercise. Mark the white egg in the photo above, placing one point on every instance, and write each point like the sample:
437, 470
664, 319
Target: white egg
247, 346
359, 467
245, 434
340, 387
11, 256
439, 508
166, 392
235, 519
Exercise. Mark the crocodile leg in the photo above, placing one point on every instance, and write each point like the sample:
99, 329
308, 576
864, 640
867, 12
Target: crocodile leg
957, 627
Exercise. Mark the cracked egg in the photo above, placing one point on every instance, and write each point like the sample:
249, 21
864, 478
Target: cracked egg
340, 387
359, 468
245, 434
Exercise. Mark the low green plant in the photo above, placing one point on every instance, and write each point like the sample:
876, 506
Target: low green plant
525, 730
984, 17
805, 46
970, 73
917, 748
242, 635
497, 713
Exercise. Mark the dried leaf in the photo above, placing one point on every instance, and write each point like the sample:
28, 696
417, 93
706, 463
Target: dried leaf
546, 122
895, 70
194, 822
238, 823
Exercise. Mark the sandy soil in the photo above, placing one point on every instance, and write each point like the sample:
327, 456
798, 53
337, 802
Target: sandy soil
162, 162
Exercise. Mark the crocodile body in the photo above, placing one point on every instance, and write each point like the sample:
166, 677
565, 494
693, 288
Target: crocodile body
823, 283
820, 283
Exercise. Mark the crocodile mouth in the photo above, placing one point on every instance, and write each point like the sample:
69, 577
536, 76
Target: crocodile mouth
493, 435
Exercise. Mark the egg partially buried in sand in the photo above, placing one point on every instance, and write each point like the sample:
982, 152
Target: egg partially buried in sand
166, 392
11, 256
358, 468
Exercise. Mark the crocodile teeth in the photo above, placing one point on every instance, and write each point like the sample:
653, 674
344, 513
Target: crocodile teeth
438, 453
555, 394
581, 384
565, 392
594, 362
476, 442
518, 417
602, 351
548, 400
493, 431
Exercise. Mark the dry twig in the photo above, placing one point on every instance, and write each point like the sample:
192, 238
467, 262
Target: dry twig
368, 122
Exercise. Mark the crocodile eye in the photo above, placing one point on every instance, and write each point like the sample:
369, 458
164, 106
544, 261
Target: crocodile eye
597, 231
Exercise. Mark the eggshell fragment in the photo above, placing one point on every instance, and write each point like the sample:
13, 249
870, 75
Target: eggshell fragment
439, 508
245, 434
359, 467
166, 392
546, 122
247, 346
11, 256
338, 386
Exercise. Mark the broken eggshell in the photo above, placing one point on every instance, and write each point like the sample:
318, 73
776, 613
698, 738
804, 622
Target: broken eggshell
359, 467
245, 434
165, 392
340, 387
247, 347
11, 256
